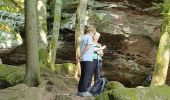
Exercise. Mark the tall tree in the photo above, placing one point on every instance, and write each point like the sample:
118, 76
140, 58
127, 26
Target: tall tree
43, 43
32, 76
79, 31
53, 43
163, 55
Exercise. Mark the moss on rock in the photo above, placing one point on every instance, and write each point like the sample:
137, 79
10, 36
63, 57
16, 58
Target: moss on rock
111, 85
67, 68
147, 93
103, 96
11, 74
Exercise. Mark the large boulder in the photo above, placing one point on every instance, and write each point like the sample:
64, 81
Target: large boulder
11, 24
11, 75
132, 38
9, 39
147, 93
111, 85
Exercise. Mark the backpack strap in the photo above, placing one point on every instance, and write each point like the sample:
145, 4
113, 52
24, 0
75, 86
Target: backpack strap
103, 80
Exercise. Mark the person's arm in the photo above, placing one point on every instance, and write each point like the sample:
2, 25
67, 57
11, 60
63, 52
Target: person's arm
83, 52
100, 48
85, 49
88, 45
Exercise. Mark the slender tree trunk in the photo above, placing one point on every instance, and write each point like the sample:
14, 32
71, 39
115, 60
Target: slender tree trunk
43, 43
163, 56
32, 77
79, 31
53, 43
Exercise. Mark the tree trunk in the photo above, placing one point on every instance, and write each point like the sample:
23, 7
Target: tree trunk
32, 76
43, 43
163, 55
53, 43
79, 31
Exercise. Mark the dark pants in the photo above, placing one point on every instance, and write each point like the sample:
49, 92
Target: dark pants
97, 64
87, 70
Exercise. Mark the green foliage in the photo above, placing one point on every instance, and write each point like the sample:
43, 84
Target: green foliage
162, 60
12, 5
157, 5
166, 10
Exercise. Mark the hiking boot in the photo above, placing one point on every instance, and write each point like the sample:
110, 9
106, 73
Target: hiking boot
79, 94
85, 94
89, 88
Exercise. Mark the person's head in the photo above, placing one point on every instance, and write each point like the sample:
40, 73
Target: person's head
90, 30
96, 36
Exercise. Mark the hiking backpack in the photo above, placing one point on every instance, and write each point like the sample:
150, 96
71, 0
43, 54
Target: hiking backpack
98, 86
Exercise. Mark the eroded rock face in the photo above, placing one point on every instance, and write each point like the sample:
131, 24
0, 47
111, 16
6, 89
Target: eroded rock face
132, 39
128, 62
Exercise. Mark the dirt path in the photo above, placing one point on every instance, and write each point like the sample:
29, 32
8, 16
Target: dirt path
65, 95
62, 88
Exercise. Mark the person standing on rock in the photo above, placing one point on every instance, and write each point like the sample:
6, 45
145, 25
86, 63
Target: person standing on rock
86, 62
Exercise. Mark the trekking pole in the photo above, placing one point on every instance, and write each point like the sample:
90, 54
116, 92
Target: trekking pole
98, 69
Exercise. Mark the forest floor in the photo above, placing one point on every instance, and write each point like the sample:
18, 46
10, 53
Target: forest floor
61, 87
54, 86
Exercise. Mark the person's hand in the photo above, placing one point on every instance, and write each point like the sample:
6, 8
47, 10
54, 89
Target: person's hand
78, 58
103, 47
100, 52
